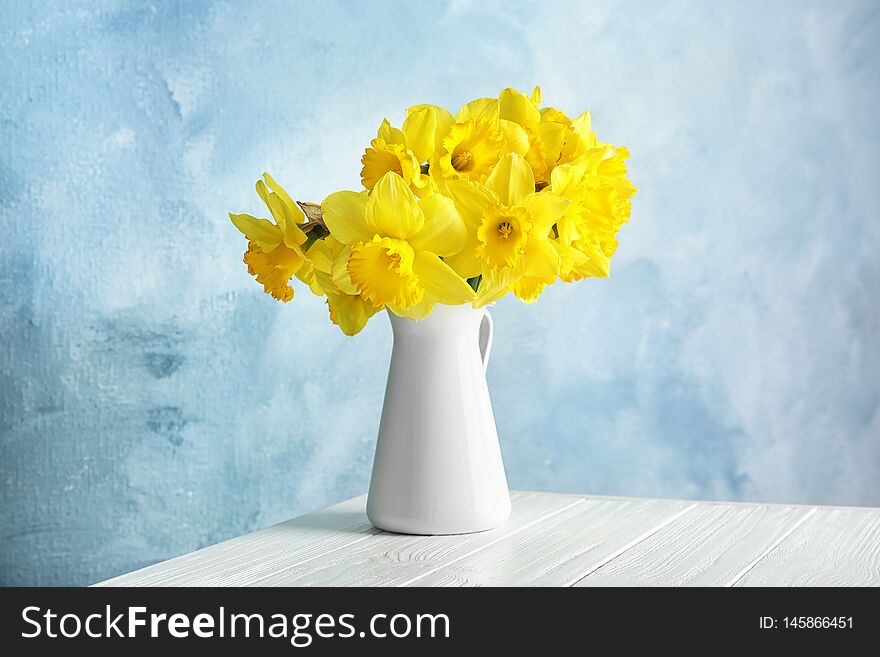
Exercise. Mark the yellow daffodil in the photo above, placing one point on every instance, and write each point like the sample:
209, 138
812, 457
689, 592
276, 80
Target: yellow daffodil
506, 195
553, 138
402, 151
563, 140
389, 152
471, 149
274, 253
469, 146
273, 269
509, 231
596, 183
382, 157
329, 277
394, 243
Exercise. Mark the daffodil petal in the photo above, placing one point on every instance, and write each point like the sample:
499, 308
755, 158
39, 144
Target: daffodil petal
420, 127
344, 215
546, 208
350, 313
425, 187
481, 108
528, 289
291, 232
511, 179
598, 264
284, 219
260, 231
339, 272
444, 231
324, 282
390, 134
276, 207
570, 259
442, 116
273, 203
292, 208
565, 178
516, 139
583, 127
552, 137
419, 311
392, 210
308, 276
536, 96
466, 263
293, 235
440, 282
567, 226
321, 256
615, 164
494, 285
470, 199
518, 108
541, 260
262, 192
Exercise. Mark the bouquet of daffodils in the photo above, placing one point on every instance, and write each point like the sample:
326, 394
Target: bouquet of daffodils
504, 196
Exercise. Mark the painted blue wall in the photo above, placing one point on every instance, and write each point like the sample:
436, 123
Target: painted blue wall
154, 400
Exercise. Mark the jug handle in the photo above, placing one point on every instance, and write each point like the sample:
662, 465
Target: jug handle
486, 334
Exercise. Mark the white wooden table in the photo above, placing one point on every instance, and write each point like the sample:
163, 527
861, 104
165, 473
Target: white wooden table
550, 540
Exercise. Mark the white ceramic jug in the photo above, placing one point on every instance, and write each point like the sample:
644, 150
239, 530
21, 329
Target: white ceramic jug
438, 468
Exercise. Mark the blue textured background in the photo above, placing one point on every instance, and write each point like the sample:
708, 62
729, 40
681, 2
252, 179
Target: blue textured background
154, 400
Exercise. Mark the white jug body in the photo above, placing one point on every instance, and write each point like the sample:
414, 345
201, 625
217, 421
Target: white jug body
438, 467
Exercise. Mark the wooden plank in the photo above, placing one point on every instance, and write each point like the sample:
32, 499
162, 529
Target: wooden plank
710, 545
551, 540
396, 559
245, 558
834, 547
564, 548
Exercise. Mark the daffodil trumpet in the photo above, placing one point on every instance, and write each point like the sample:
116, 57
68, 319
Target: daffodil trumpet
504, 196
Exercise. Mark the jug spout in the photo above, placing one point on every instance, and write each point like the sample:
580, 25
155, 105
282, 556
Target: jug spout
438, 467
